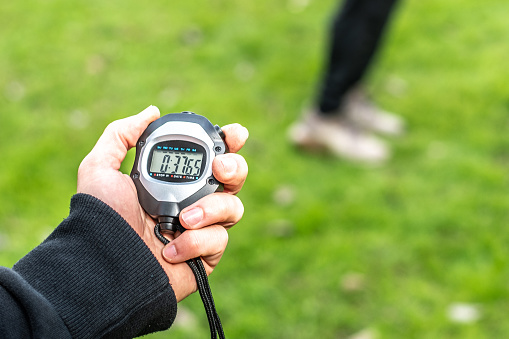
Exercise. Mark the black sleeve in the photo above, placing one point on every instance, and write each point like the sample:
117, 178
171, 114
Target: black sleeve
93, 277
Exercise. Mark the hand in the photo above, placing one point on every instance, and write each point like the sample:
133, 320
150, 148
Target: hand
207, 219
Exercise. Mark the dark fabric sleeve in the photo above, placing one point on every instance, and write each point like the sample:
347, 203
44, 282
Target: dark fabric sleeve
93, 277
25, 313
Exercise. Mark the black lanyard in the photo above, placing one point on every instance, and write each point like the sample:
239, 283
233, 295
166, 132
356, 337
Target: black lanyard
202, 282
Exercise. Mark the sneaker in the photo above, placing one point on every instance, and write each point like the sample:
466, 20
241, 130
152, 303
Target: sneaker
361, 112
338, 136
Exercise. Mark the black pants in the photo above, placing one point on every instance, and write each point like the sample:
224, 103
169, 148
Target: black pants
355, 36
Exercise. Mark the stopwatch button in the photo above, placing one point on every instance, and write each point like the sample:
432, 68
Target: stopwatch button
219, 131
188, 112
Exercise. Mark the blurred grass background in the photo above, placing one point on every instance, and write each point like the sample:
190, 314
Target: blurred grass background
326, 249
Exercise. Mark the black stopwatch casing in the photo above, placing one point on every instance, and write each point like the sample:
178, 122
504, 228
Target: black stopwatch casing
173, 164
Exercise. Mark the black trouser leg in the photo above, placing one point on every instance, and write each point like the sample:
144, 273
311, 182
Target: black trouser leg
355, 35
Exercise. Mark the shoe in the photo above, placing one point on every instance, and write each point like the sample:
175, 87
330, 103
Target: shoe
360, 111
338, 136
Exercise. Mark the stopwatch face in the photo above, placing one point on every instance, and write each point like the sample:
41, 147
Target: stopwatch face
176, 161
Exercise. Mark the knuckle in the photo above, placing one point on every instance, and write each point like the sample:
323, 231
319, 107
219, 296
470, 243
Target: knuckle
235, 205
82, 167
242, 169
223, 239
228, 205
240, 208
221, 208
112, 126
226, 208
243, 166
194, 242
85, 165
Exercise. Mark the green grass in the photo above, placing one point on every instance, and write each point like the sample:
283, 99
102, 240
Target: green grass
423, 232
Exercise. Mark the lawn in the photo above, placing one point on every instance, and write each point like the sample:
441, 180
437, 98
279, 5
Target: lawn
326, 248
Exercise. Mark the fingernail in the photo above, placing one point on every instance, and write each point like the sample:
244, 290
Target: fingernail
229, 165
193, 216
170, 252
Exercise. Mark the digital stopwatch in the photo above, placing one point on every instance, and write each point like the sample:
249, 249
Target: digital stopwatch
173, 165
172, 170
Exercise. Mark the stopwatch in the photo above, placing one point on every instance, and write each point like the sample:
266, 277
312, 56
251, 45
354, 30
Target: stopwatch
173, 165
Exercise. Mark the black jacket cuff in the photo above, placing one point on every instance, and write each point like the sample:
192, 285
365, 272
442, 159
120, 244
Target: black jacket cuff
99, 275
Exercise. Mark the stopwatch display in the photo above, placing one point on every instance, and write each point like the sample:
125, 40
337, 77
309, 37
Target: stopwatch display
176, 161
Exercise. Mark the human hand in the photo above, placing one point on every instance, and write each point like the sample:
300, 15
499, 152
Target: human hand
206, 220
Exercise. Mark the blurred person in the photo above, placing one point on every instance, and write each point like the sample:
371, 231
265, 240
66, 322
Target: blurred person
343, 119
102, 272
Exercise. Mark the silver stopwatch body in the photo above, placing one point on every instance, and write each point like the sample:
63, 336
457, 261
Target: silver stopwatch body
173, 164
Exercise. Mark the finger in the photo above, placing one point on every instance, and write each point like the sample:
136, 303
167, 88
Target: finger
111, 148
217, 208
230, 169
235, 136
209, 242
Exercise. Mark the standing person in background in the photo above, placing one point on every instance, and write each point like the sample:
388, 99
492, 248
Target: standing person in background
342, 119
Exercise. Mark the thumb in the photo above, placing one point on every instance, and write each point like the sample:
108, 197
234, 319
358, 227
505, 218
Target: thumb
121, 135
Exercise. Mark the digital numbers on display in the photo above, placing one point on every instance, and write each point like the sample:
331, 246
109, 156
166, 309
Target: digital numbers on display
178, 163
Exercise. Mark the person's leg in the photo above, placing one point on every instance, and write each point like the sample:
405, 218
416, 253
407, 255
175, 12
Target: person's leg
354, 39
341, 121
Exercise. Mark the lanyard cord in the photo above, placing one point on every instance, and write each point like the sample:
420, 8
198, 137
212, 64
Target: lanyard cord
202, 282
